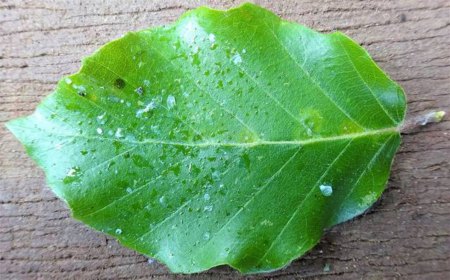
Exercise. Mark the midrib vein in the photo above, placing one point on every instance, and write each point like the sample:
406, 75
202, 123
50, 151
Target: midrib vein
248, 144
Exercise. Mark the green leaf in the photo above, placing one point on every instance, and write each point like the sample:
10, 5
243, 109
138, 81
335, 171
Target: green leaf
231, 137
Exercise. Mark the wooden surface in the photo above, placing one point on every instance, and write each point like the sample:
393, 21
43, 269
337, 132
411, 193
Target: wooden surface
406, 235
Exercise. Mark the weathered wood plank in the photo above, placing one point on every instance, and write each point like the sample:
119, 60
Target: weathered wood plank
407, 235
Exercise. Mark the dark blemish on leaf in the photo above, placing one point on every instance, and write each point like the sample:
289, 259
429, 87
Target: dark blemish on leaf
175, 169
402, 17
139, 161
111, 164
81, 93
246, 161
119, 83
117, 145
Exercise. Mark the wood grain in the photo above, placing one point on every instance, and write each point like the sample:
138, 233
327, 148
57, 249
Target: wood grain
406, 235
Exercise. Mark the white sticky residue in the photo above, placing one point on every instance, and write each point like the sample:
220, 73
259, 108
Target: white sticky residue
208, 208
68, 80
206, 196
99, 130
118, 231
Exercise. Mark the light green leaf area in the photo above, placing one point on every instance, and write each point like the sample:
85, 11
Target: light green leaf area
230, 137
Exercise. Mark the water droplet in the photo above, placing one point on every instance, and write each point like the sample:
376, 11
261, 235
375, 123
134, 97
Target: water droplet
237, 59
81, 90
212, 38
139, 90
216, 175
266, 223
150, 106
206, 236
368, 199
72, 172
326, 190
100, 117
68, 80
118, 231
118, 133
99, 130
244, 51
171, 102
162, 199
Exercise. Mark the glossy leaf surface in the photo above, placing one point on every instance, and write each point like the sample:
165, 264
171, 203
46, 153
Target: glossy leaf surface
230, 137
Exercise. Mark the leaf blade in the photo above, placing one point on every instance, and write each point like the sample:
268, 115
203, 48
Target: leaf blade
179, 148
